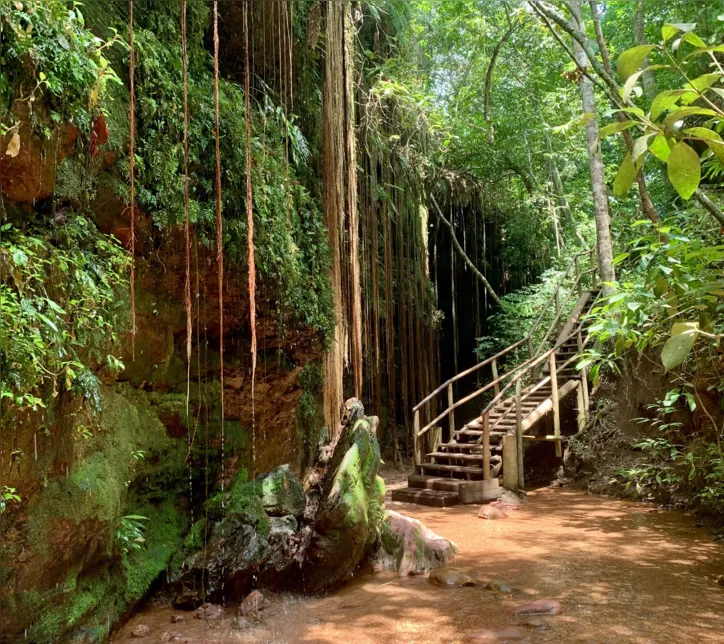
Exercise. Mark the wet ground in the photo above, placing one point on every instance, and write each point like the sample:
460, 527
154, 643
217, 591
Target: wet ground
623, 572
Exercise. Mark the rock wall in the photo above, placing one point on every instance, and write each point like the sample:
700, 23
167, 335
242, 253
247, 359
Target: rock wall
66, 572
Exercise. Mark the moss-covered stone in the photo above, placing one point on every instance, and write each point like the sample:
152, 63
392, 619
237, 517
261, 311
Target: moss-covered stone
282, 493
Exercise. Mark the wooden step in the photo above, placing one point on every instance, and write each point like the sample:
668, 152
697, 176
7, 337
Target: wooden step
421, 496
460, 457
453, 469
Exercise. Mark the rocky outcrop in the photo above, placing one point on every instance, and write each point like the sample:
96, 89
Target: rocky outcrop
270, 532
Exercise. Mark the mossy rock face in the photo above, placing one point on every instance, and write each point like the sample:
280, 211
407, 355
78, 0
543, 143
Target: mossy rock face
74, 576
351, 515
281, 493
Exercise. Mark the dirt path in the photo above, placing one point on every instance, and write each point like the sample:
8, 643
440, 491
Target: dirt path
624, 572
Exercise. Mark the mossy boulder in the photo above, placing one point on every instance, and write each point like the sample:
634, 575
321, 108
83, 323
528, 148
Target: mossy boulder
351, 513
281, 493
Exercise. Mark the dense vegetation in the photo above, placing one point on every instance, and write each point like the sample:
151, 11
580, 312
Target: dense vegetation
418, 173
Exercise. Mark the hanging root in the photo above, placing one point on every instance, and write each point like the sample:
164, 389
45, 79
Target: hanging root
132, 159
250, 211
187, 241
219, 225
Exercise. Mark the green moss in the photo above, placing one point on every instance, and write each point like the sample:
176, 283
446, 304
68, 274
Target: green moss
309, 417
163, 536
195, 538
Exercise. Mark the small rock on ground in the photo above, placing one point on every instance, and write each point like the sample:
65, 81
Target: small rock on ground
540, 607
450, 578
507, 634
209, 612
253, 603
510, 497
492, 513
175, 619
140, 631
498, 587
171, 636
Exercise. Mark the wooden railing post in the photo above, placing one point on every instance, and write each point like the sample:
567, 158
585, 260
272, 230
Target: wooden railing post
496, 386
581, 411
584, 379
579, 279
519, 434
416, 439
554, 400
450, 403
486, 447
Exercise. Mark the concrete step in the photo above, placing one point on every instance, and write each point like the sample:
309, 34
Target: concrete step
468, 491
434, 498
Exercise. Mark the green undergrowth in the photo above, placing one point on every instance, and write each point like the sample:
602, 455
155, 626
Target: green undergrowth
62, 299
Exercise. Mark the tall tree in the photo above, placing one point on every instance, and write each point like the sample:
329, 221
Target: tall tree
598, 177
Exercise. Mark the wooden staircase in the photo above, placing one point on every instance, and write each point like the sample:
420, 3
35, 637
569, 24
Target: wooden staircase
488, 450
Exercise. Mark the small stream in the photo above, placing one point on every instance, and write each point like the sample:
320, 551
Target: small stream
623, 572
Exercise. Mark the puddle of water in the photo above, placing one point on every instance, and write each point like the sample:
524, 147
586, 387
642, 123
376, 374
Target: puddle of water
624, 572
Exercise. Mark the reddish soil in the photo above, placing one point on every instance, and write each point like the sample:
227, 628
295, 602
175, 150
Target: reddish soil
623, 572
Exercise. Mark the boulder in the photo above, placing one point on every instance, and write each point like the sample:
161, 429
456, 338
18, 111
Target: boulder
282, 493
410, 548
350, 514
252, 605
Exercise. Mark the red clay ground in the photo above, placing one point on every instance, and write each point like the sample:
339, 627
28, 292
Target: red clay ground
624, 572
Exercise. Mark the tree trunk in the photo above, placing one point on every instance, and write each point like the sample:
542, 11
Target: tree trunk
640, 37
598, 178
646, 204
333, 199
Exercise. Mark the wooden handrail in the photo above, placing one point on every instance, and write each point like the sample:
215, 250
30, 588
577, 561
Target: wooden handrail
467, 372
517, 372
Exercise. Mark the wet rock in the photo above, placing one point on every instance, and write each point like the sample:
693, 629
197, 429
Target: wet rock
281, 493
175, 619
451, 578
410, 548
140, 631
492, 513
209, 612
720, 580
252, 605
540, 607
496, 586
171, 636
506, 634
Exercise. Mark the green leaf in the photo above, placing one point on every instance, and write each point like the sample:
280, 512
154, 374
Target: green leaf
679, 345
667, 99
634, 78
693, 39
619, 258
668, 31
685, 112
713, 140
684, 169
614, 128
700, 84
660, 148
639, 148
625, 177
629, 61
